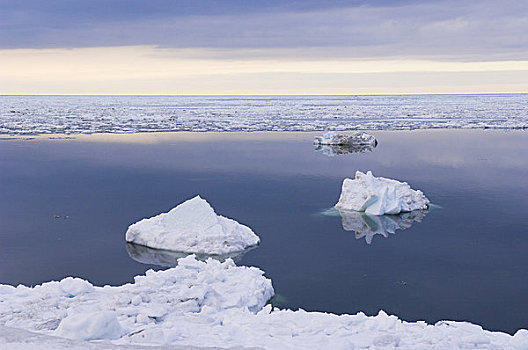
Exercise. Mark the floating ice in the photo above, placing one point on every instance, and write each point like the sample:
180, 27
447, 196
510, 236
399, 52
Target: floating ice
379, 196
357, 140
192, 227
368, 226
129, 114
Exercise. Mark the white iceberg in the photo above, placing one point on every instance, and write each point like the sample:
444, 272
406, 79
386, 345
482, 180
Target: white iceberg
357, 139
192, 227
379, 196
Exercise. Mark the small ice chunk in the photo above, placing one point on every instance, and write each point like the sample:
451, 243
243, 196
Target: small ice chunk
379, 196
90, 326
192, 227
357, 139
72, 286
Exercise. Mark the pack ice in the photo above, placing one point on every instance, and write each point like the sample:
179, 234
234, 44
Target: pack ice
379, 196
192, 227
209, 304
357, 139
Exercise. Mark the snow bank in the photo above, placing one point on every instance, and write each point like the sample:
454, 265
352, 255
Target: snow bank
193, 290
357, 139
368, 226
192, 227
379, 196
214, 304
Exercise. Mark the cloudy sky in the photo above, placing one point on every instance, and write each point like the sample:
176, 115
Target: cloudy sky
262, 47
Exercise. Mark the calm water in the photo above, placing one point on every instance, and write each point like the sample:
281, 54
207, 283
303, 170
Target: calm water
465, 260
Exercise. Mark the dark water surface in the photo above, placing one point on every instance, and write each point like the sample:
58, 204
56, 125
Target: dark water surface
466, 260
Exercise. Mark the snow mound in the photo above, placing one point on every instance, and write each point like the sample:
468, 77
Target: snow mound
368, 226
192, 227
379, 196
90, 326
193, 290
357, 139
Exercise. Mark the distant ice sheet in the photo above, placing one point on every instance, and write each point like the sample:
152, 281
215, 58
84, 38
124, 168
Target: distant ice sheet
131, 114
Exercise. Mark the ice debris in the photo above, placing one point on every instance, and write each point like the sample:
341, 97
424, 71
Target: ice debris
192, 227
368, 226
360, 139
379, 196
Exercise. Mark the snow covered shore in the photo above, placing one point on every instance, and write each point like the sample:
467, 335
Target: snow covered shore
212, 304
192, 227
379, 196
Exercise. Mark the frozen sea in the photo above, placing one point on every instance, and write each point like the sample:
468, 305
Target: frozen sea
66, 203
129, 114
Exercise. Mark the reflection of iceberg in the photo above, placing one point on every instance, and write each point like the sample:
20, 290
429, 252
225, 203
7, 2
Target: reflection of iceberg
334, 150
367, 226
169, 258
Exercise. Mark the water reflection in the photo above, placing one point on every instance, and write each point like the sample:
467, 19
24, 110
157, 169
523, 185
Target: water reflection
335, 150
367, 226
169, 258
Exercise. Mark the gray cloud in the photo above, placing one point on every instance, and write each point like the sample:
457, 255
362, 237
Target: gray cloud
476, 30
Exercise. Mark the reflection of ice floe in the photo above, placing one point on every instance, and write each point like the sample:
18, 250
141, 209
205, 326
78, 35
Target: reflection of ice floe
169, 258
368, 226
192, 227
357, 139
378, 195
334, 150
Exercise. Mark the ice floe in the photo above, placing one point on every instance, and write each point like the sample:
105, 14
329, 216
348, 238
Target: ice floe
213, 304
379, 195
192, 227
332, 143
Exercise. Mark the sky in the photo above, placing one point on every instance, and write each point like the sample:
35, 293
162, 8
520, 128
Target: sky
263, 47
